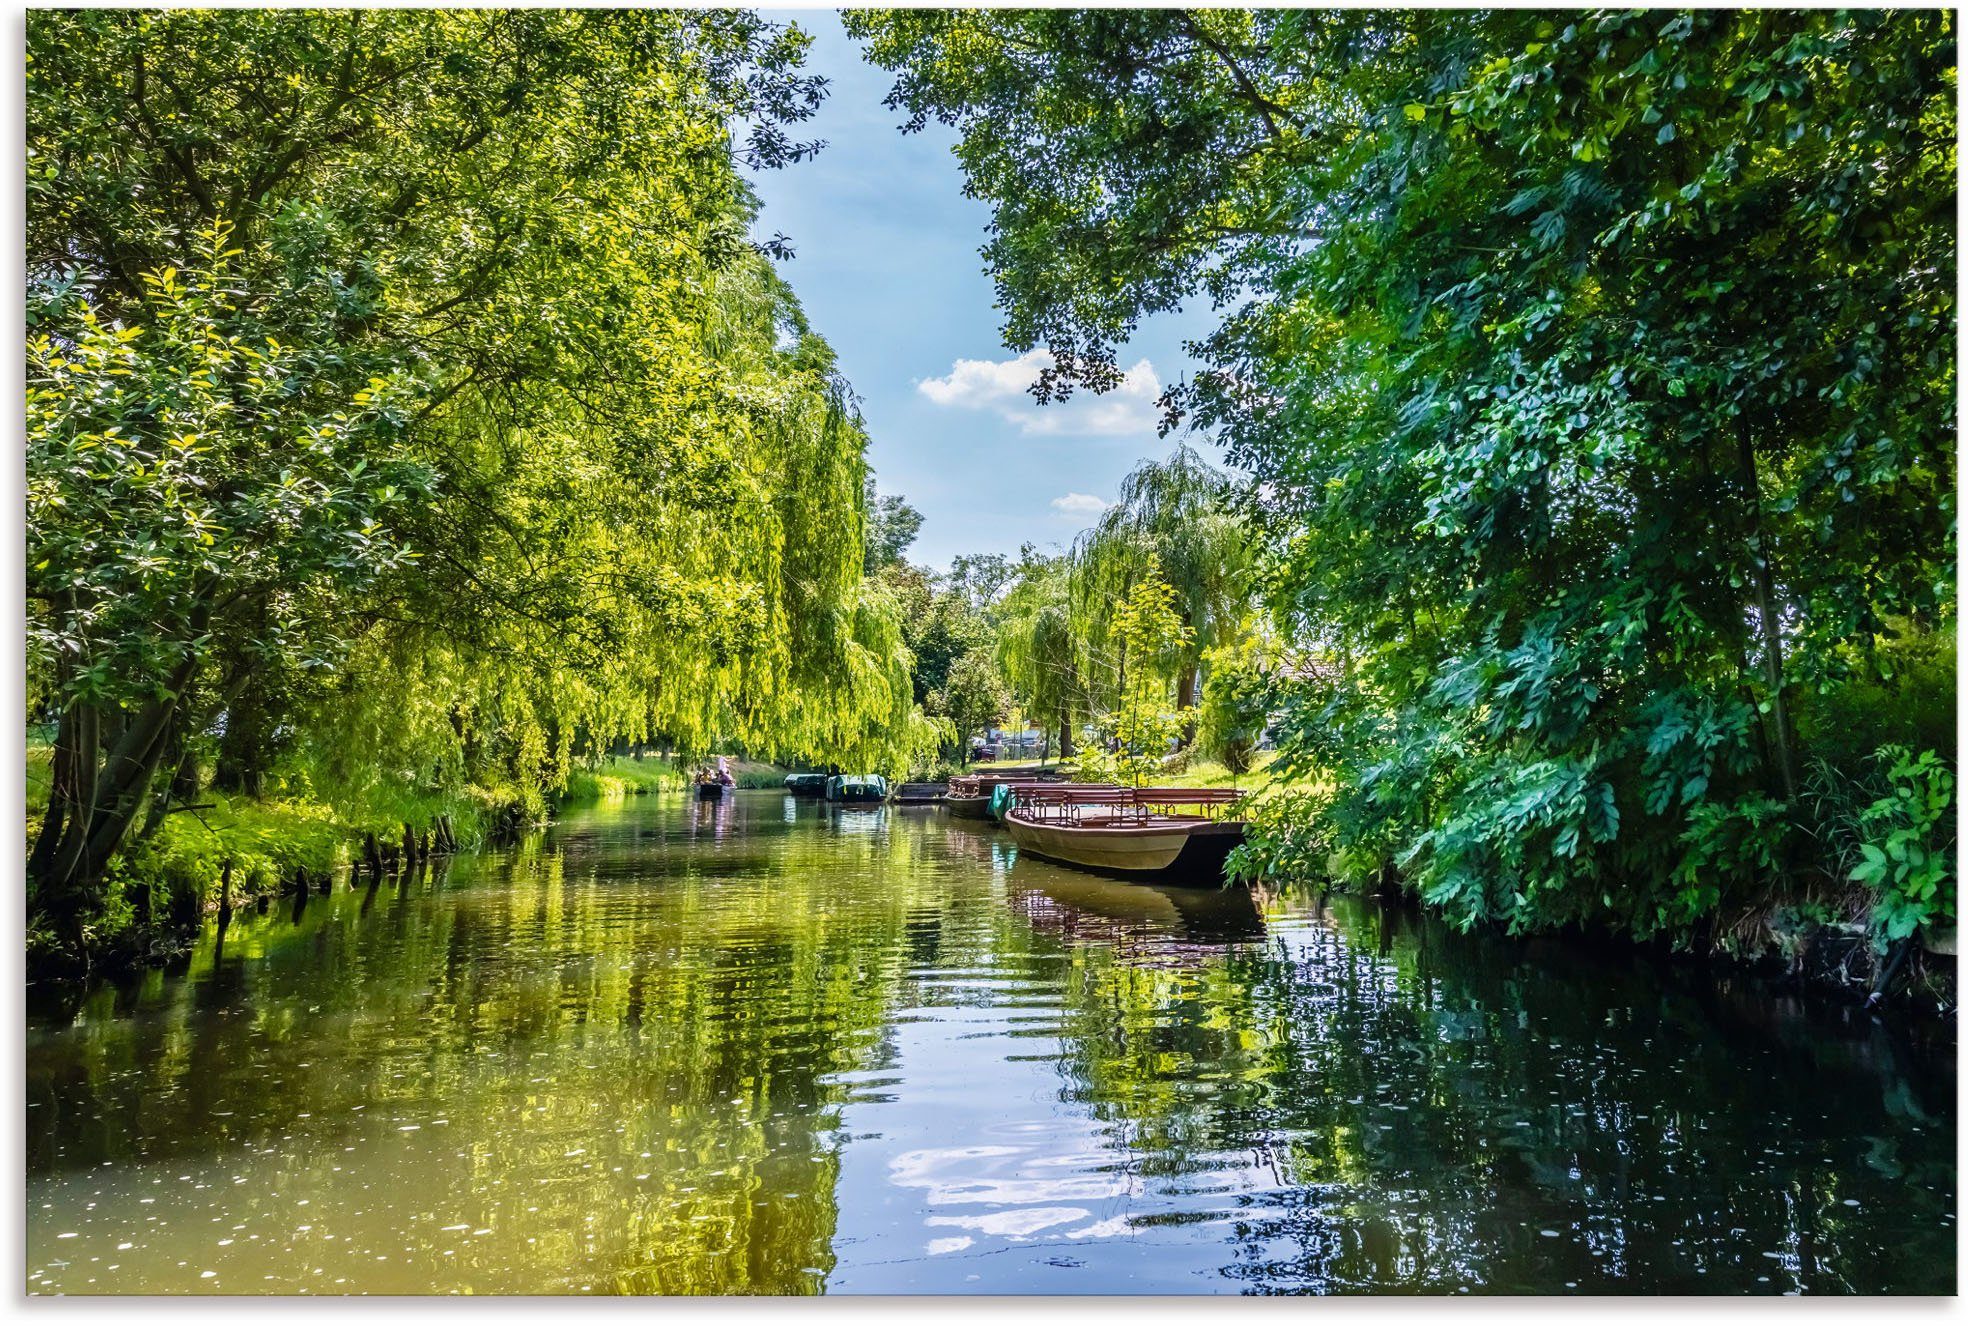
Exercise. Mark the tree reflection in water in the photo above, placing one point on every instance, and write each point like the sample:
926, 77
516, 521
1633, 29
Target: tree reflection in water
761, 1045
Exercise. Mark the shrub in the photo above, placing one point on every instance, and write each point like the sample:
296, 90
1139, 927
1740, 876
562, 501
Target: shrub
1906, 845
1288, 838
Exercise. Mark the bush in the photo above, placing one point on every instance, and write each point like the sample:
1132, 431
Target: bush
1906, 845
1287, 839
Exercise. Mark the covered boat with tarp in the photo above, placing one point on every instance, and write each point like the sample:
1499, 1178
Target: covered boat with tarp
807, 784
857, 789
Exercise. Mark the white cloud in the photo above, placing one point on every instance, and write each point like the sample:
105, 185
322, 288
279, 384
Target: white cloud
1079, 504
1000, 386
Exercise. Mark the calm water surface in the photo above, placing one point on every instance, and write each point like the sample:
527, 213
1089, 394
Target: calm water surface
769, 1047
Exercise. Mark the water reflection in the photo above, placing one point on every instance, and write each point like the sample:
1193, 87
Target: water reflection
1077, 905
768, 1045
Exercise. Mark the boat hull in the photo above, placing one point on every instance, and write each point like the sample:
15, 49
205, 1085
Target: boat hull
969, 808
711, 791
1171, 851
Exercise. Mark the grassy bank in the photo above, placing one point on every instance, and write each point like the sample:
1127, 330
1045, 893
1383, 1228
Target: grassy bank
619, 777
164, 882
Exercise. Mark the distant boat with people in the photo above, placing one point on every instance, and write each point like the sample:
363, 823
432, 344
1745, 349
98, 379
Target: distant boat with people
713, 781
1175, 835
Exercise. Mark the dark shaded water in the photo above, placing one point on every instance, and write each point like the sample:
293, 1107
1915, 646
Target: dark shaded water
768, 1047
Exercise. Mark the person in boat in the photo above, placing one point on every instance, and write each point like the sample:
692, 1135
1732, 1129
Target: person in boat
724, 771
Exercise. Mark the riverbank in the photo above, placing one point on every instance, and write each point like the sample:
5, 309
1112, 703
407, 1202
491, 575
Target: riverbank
1817, 932
1809, 928
231, 850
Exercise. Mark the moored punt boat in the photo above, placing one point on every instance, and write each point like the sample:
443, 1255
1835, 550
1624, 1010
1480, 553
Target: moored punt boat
970, 795
1171, 834
807, 784
919, 794
857, 789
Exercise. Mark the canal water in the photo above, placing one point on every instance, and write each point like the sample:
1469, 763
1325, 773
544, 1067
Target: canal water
766, 1046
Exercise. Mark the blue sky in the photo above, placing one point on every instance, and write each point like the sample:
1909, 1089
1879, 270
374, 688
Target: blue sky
889, 272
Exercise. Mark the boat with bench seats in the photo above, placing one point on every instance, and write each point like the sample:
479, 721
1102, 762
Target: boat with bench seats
970, 795
1170, 834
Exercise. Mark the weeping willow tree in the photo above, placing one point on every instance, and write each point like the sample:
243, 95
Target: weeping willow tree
1177, 514
406, 399
1037, 647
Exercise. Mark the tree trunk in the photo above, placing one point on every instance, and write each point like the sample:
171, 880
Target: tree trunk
1762, 566
1185, 698
96, 796
1065, 735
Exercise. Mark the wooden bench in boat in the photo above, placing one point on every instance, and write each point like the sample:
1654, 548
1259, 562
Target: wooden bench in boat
971, 798
1075, 803
1209, 800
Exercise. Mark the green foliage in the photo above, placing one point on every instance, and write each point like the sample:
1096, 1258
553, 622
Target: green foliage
1906, 844
973, 695
938, 626
982, 579
1037, 645
408, 412
1288, 836
186, 451
1176, 517
1237, 700
1149, 629
892, 527
1603, 441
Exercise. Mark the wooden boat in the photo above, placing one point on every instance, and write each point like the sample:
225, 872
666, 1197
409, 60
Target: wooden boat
807, 784
970, 795
712, 791
1171, 834
920, 794
857, 789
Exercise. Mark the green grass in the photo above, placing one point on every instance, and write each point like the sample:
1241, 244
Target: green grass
1211, 773
618, 777
1203, 773
750, 773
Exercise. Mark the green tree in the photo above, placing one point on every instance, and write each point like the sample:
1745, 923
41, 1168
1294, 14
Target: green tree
1037, 647
502, 430
191, 477
1237, 702
973, 696
1179, 515
982, 579
1149, 627
1595, 371
892, 526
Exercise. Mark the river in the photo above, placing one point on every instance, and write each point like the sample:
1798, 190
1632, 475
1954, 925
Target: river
767, 1046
